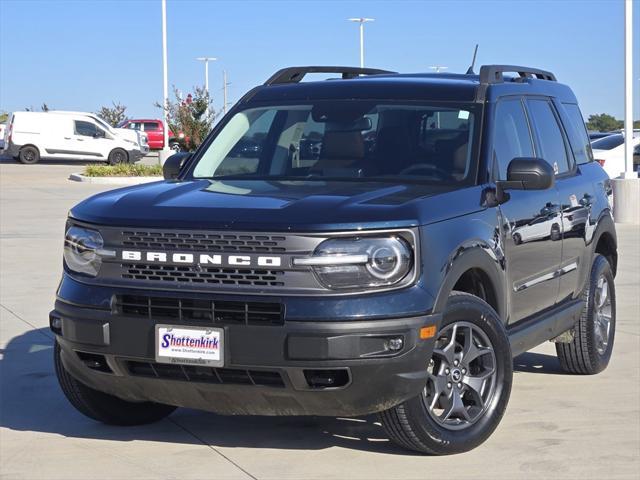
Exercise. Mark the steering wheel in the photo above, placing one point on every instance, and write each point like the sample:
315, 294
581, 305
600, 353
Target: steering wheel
429, 169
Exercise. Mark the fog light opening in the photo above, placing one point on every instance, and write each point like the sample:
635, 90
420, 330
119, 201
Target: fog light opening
318, 379
55, 324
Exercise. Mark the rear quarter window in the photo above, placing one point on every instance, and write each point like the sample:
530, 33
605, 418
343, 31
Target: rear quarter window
577, 132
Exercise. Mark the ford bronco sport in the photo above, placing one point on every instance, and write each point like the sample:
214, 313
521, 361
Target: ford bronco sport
376, 243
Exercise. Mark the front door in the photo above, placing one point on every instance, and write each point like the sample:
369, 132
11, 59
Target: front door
531, 225
90, 140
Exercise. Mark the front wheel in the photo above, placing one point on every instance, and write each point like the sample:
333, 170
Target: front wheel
103, 407
590, 350
118, 155
468, 383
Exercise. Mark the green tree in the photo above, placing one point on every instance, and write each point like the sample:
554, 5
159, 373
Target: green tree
604, 123
113, 115
192, 115
4, 116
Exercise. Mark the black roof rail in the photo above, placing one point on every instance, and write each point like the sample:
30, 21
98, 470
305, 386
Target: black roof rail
493, 73
296, 74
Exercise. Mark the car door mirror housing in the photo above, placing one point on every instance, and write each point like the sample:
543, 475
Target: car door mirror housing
525, 173
173, 165
530, 174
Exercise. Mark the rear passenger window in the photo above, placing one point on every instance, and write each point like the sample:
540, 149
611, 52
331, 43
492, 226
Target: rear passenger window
578, 137
511, 138
551, 146
150, 126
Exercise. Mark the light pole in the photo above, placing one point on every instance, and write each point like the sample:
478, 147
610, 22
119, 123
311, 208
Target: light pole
165, 79
628, 95
206, 61
361, 21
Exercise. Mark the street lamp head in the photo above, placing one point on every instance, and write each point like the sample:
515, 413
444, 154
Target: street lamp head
361, 19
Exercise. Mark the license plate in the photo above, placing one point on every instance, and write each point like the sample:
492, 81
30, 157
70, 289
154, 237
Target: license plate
190, 345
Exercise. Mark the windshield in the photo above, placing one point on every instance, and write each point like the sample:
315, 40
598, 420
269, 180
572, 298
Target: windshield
346, 139
102, 123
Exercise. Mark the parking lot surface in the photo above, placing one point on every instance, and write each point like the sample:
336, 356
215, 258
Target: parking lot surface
556, 425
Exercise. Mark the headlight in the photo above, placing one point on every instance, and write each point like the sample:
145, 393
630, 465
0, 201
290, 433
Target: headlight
82, 250
360, 262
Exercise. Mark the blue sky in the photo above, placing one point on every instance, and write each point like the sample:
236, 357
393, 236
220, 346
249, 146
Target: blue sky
80, 55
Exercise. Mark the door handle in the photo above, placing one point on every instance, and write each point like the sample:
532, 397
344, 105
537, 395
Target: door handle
80, 139
67, 138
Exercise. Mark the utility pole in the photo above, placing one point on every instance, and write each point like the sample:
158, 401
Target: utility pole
206, 61
361, 21
225, 84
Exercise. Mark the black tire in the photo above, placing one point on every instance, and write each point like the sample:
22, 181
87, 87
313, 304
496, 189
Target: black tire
118, 155
412, 425
517, 238
585, 354
103, 407
29, 155
175, 146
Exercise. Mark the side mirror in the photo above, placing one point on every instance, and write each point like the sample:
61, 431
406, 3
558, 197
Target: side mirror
526, 174
173, 164
98, 134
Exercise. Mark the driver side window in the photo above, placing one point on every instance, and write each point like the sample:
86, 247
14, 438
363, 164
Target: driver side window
511, 137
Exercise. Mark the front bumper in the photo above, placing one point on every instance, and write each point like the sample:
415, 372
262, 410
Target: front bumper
135, 155
269, 370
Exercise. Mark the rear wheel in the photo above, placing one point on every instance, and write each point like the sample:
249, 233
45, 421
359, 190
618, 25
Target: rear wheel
175, 146
118, 155
468, 384
103, 407
592, 345
29, 155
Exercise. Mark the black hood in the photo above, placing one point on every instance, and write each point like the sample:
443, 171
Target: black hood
260, 205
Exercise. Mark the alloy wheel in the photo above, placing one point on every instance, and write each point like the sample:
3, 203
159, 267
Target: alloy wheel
602, 315
462, 376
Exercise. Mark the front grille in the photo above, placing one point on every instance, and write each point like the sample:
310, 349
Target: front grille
190, 373
203, 275
189, 241
190, 310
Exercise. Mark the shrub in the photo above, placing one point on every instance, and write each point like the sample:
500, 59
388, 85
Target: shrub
123, 170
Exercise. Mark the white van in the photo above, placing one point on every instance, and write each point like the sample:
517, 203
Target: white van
31, 136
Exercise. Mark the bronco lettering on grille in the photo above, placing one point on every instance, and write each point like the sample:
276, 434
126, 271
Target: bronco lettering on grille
201, 259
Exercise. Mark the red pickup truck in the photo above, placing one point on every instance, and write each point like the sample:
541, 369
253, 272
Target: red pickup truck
155, 132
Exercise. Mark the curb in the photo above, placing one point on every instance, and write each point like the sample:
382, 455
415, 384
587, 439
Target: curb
78, 177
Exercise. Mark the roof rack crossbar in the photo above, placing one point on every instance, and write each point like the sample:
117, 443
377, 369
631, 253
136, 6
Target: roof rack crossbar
493, 73
296, 74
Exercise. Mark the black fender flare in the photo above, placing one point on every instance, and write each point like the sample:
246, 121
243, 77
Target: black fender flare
605, 225
481, 258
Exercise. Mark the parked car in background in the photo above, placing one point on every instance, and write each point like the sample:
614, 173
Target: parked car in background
609, 152
3, 128
154, 129
31, 136
596, 135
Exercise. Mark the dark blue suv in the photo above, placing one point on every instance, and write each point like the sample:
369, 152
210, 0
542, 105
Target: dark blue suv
386, 245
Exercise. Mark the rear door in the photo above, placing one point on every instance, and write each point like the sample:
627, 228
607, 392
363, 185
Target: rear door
530, 220
578, 197
154, 133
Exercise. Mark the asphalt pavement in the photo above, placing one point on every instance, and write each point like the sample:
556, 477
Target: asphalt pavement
556, 425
